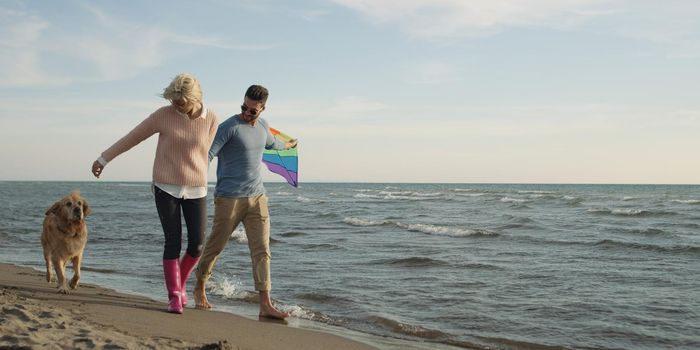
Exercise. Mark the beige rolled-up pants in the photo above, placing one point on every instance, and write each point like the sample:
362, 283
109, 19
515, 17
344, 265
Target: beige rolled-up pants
228, 213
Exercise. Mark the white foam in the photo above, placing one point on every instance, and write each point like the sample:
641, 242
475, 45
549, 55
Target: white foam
391, 196
619, 211
537, 192
471, 194
428, 194
297, 311
396, 193
303, 199
362, 195
513, 200
239, 235
228, 288
627, 211
442, 230
686, 201
424, 228
363, 222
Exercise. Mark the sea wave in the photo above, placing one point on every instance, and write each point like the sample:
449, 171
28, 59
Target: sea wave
415, 261
424, 228
365, 222
537, 192
230, 289
303, 199
239, 235
319, 297
450, 231
515, 201
628, 212
646, 231
518, 223
572, 200
322, 246
283, 193
391, 196
96, 269
407, 329
300, 311
609, 243
292, 234
477, 194
481, 266
686, 201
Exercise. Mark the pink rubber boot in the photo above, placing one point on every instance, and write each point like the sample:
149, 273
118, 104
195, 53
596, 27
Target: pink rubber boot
171, 269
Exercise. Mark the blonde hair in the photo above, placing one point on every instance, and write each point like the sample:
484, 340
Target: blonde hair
183, 86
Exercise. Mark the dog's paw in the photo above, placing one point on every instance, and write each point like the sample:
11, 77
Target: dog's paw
73, 283
63, 290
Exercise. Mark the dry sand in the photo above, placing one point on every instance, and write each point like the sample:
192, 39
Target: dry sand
34, 316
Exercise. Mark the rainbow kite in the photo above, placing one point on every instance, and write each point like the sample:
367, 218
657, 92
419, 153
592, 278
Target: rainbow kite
283, 162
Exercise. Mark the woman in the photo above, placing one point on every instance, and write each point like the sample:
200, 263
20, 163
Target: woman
186, 129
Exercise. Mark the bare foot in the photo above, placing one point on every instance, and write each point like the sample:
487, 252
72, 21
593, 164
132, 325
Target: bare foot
269, 311
200, 297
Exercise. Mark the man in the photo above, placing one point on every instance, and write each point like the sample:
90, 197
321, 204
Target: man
240, 196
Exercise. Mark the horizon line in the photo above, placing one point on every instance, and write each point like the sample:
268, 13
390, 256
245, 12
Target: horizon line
398, 182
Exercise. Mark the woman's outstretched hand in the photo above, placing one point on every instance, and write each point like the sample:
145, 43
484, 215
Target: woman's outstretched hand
97, 169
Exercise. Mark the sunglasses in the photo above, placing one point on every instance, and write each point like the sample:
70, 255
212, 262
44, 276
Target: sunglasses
252, 111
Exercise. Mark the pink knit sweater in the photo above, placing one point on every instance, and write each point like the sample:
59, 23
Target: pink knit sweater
182, 155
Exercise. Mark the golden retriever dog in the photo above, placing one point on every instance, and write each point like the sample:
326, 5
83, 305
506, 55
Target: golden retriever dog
64, 237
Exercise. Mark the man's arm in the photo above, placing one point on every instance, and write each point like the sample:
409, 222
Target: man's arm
223, 135
273, 143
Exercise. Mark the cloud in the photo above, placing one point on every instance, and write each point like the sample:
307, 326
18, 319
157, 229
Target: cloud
19, 52
434, 19
219, 43
113, 49
671, 25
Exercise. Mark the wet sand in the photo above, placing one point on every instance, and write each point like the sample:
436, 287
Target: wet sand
34, 316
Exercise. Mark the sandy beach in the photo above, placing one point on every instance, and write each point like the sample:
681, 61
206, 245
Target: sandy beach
35, 316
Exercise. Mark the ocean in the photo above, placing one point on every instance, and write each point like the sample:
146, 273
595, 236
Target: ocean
425, 266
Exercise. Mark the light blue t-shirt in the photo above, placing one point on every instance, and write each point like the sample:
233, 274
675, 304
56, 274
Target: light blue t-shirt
240, 147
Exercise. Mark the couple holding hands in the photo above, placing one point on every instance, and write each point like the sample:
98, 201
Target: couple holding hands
189, 137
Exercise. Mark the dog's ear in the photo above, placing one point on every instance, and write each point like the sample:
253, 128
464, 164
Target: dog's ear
54, 208
86, 208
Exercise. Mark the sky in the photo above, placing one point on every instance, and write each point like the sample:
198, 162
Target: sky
455, 91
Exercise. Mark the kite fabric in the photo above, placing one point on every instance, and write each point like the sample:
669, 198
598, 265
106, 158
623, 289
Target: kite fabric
283, 162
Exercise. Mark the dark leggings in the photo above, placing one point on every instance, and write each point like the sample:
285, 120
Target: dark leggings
195, 212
